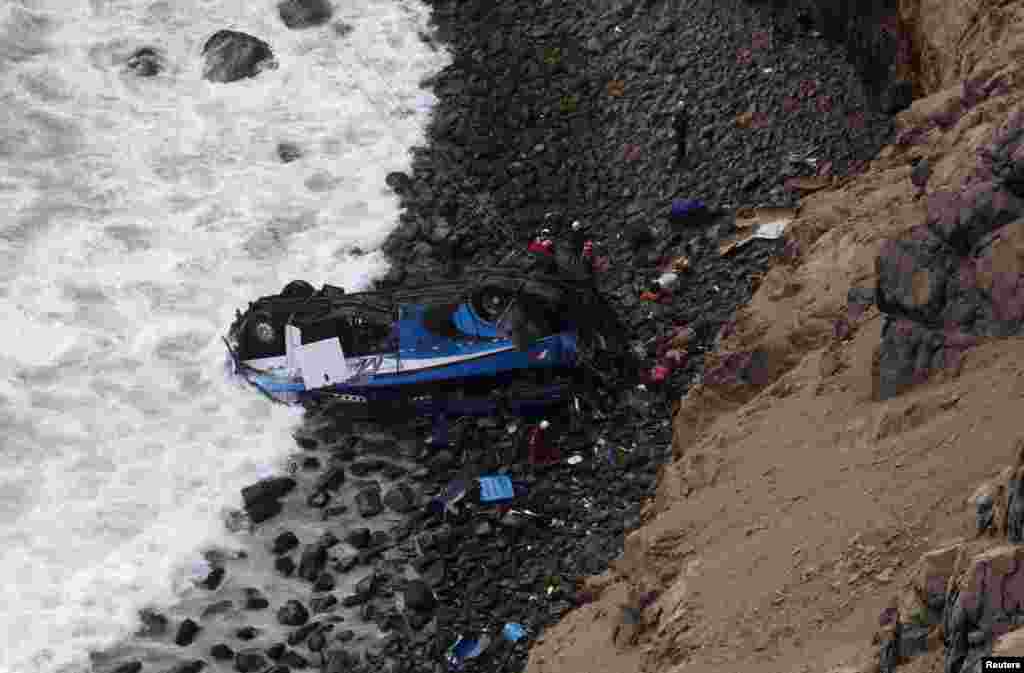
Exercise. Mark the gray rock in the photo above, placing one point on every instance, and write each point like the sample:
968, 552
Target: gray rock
359, 538
146, 62
231, 55
284, 543
221, 652
368, 502
298, 14
419, 596
288, 152
250, 661
128, 667
193, 666
312, 562
187, 632
401, 498
293, 613
331, 480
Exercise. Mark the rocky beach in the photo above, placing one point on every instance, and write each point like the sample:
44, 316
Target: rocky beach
548, 115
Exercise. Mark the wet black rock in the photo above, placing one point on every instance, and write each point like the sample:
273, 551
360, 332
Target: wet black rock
320, 604
276, 651
285, 542
312, 562
899, 95
193, 666
419, 597
434, 574
255, 600
310, 463
304, 13
221, 652
146, 62
279, 668
300, 634
213, 580
250, 661
354, 600
293, 613
154, 624
359, 538
399, 182
231, 55
187, 632
324, 582
285, 565
366, 586
247, 633
293, 659
128, 667
331, 480
368, 502
401, 498
338, 660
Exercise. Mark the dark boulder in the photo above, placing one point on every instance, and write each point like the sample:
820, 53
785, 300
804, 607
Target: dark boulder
272, 488
231, 55
898, 96
255, 600
293, 613
213, 580
401, 498
193, 666
359, 538
250, 661
324, 582
146, 62
368, 502
398, 182
285, 542
912, 277
298, 14
128, 667
287, 153
285, 565
962, 219
187, 632
263, 510
154, 624
907, 355
331, 480
419, 597
297, 636
325, 603
221, 652
293, 659
276, 651
247, 633
340, 661
313, 561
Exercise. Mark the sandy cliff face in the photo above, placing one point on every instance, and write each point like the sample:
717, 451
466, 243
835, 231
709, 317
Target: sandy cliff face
801, 504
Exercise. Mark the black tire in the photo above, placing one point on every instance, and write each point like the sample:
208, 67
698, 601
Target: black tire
299, 289
491, 300
262, 337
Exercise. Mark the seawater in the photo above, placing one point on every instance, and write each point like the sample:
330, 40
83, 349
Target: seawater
135, 216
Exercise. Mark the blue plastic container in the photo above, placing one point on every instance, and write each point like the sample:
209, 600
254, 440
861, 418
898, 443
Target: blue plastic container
497, 488
684, 208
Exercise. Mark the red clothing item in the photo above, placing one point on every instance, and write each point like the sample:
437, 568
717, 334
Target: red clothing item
541, 450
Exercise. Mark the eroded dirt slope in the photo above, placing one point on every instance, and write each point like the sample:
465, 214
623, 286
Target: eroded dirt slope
799, 506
